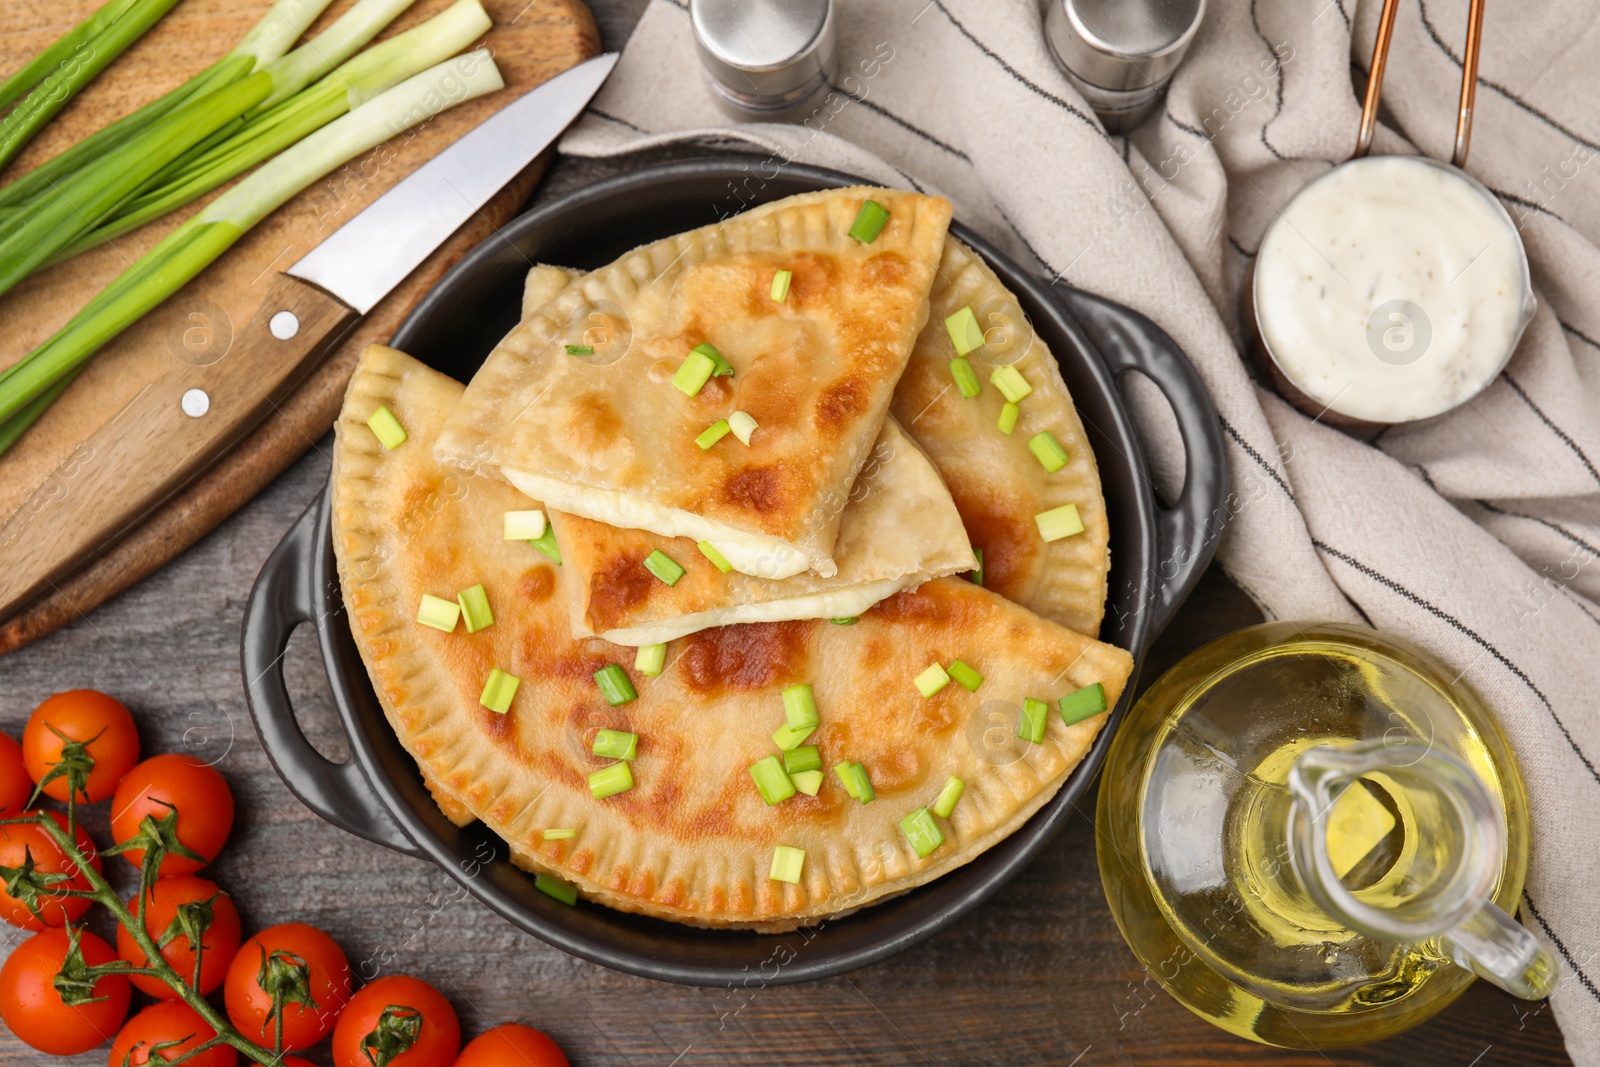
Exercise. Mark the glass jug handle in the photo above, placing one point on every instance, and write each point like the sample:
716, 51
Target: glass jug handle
1453, 882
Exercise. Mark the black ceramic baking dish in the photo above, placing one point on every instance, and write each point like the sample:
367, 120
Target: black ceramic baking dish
1157, 553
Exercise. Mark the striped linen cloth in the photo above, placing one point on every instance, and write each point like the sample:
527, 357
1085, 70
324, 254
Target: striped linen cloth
1476, 536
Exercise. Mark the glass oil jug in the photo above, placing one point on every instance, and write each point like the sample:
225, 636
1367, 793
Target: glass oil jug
1311, 835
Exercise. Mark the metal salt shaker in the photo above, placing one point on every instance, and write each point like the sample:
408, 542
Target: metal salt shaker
766, 60
1120, 54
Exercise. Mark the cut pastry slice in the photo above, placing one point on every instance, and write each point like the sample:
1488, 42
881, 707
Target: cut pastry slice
599, 402
681, 830
1002, 482
899, 529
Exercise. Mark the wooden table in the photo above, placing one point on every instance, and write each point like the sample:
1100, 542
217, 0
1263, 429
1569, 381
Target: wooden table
1037, 976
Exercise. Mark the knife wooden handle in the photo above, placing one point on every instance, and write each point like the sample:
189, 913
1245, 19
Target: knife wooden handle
176, 427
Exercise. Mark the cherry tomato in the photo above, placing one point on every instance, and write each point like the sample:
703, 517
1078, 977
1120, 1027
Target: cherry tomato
219, 945
15, 786
163, 1024
163, 784
406, 1017
512, 1045
35, 1012
91, 719
24, 839
298, 958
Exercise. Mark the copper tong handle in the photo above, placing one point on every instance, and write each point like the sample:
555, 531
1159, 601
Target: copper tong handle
1469, 80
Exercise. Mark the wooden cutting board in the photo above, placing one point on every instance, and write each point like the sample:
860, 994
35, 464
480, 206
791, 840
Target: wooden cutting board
532, 41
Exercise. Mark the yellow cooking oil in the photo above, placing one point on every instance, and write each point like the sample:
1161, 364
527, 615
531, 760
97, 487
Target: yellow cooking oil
1193, 843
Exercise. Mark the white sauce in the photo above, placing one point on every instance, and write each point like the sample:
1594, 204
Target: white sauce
1391, 289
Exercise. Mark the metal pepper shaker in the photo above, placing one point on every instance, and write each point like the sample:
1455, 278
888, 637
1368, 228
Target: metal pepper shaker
1120, 54
765, 60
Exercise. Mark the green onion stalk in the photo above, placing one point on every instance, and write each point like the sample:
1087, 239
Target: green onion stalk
212, 230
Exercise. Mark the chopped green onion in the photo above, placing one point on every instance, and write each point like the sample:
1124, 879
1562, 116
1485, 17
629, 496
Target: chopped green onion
712, 434
921, 831
580, 350
552, 886
1080, 705
439, 613
391, 435
965, 332
615, 744
1031, 726
848, 780
804, 758
1012, 385
965, 675
663, 566
855, 781
1059, 522
609, 781
475, 608
614, 684
694, 373
787, 737
800, 705
546, 543
1008, 417
948, 796
808, 782
498, 691
780, 285
869, 222
709, 350
1048, 451
772, 781
977, 575
847, 620
786, 864
709, 551
650, 659
966, 378
932, 680
563, 834
743, 424
524, 525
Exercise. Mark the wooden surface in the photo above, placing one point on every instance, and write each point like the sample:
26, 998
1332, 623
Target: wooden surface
532, 41
1038, 976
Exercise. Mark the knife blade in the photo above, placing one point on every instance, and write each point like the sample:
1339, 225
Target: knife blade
179, 424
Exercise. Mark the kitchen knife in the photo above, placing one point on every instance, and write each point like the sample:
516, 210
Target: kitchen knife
183, 421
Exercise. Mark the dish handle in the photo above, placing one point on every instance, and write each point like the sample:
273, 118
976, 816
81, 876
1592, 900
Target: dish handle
1188, 531
284, 597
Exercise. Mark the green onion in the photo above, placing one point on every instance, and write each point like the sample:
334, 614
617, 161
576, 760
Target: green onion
1031, 726
614, 685
709, 350
977, 575
787, 737
609, 781
968, 678
932, 680
663, 566
475, 608
743, 424
965, 333
712, 434
1008, 417
1048, 451
804, 758
786, 864
772, 781
552, 886
869, 222
1083, 703
1059, 522
391, 435
921, 831
847, 620
693, 373
650, 659
546, 543
948, 796
580, 350
615, 744
862, 785
498, 690
524, 525
1012, 385
780, 285
847, 779
439, 613
966, 378
564, 834
807, 782
800, 705
709, 551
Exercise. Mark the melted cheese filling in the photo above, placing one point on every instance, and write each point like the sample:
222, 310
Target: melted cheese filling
833, 604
